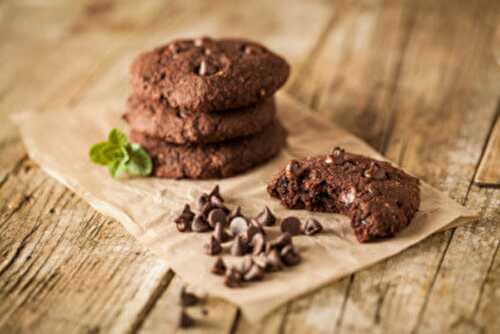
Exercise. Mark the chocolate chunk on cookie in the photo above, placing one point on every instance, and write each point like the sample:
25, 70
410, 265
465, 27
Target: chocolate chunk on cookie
212, 160
380, 199
157, 119
205, 75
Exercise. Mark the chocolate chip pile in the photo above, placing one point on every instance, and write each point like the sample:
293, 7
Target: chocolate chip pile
245, 237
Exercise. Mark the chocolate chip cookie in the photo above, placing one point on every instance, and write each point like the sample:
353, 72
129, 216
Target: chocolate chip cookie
156, 119
380, 199
212, 160
205, 75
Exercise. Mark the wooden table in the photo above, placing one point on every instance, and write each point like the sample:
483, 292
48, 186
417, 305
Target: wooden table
418, 80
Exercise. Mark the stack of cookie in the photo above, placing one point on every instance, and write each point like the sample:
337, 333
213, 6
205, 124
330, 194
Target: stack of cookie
204, 108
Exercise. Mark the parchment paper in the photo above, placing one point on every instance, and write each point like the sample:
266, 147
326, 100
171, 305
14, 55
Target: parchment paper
59, 142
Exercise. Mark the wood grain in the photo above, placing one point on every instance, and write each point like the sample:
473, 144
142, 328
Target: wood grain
63, 267
488, 173
428, 118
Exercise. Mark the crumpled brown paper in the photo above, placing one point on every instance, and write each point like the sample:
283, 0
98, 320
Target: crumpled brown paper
59, 142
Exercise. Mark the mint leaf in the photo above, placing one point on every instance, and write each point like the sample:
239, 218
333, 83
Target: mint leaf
117, 167
140, 163
118, 138
97, 153
120, 156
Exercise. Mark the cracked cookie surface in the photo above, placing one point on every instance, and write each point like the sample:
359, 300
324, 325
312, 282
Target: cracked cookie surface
205, 75
212, 160
158, 120
380, 199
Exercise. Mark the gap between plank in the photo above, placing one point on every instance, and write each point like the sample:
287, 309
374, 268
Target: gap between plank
436, 273
483, 283
152, 300
483, 151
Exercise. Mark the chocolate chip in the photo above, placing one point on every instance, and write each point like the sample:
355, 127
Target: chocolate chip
266, 217
291, 225
202, 201
200, 225
338, 155
213, 247
186, 211
207, 68
278, 243
174, 48
183, 226
375, 172
236, 213
337, 151
187, 298
261, 261
252, 230
185, 321
312, 226
184, 220
250, 49
246, 264
219, 267
258, 244
216, 192
289, 256
255, 273
201, 41
206, 209
232, 278
292, 169
220, 233
347, 197
273, 261
217, 201
238, 225
239, 246
217, 216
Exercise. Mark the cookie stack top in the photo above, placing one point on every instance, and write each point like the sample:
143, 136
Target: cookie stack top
206, 75
205, 107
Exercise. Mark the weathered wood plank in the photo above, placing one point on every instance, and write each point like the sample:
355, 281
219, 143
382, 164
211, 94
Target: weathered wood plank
35, 75
488, 172
387, 297
211, 315
355, 92
129, 279
445, 93
63, 268
464, 281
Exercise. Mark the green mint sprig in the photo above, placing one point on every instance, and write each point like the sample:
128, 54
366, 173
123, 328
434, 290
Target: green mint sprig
120, 156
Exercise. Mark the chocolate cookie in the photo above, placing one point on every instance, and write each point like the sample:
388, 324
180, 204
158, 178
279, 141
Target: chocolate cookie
158, 120
204, 75
380, 199
212, 160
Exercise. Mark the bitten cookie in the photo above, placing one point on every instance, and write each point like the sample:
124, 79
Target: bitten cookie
204, 75
212, 160
180, 127
380, 199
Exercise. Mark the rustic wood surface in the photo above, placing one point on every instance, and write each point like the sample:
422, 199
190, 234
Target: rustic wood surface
418, 80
